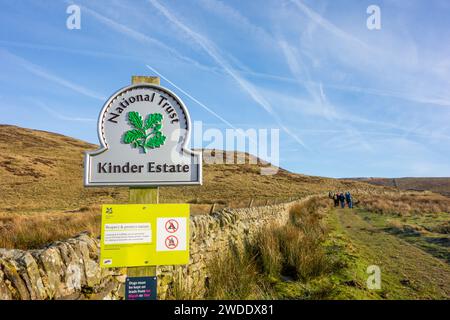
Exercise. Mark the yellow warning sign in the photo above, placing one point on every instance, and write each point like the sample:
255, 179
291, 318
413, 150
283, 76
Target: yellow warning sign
144, 235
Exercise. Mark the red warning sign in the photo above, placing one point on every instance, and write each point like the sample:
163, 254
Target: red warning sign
171, 242
171, 226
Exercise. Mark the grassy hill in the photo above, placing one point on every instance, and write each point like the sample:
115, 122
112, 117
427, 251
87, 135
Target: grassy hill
41, 188
42, 171
437, 185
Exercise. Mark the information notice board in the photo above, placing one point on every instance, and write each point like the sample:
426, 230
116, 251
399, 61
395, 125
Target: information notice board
144, 235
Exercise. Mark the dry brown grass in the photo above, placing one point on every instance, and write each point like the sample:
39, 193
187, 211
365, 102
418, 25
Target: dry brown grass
436, 185
405, 203
33, 231
267, 248
292, 250
43, 172
300, 253
235, 276
304, 254
41, 178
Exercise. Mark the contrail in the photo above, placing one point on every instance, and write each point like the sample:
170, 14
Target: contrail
317, 18
38, 71
192, 98
61, 116
211, 50
139, 36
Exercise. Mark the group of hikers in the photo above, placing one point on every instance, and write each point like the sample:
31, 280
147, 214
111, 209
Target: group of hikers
341, 198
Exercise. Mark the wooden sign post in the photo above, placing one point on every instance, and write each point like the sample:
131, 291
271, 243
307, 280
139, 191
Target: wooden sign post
143, 195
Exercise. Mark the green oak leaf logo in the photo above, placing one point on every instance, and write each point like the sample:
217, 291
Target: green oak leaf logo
146, 134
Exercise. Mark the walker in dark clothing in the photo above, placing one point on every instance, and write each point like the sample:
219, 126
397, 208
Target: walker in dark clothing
342, 200
336, 200
349, 200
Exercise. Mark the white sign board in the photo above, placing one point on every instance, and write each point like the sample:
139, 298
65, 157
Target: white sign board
127, 233
144, 132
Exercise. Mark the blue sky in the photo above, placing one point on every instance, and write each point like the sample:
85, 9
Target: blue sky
348, 101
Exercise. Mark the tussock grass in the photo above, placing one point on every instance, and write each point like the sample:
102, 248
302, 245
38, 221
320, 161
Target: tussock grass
405, 203
436, 185
179, 289
32, 231
234, 276
293, 250
267, 248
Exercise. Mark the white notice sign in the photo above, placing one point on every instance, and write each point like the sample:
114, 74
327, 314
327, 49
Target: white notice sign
171, 234
127, 233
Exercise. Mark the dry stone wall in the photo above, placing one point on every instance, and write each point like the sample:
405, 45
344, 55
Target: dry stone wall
70, 269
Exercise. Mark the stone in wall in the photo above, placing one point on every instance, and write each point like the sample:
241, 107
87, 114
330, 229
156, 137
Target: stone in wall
61, 270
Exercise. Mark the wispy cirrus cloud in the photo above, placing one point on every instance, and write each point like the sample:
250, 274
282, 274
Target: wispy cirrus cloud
141, 37
61, 116
214, 53
237, 19
201, 104
390, 58
259, 34
317, 94
66, 49
44, 74
310, 68
326, 24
